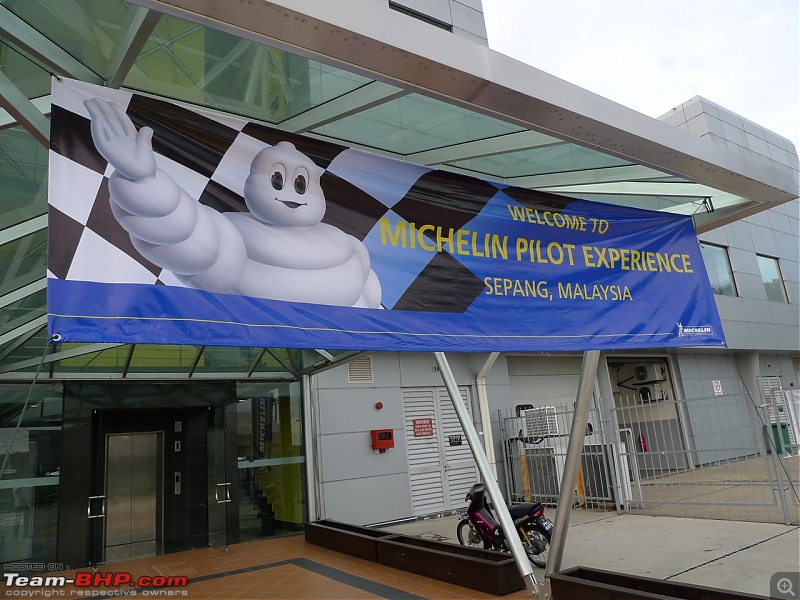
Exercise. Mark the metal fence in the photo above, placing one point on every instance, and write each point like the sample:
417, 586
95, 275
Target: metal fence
535, 443
723, 457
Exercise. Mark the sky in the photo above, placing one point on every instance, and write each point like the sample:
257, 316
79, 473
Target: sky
653, 55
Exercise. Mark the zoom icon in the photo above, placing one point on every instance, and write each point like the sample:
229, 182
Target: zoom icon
784, 585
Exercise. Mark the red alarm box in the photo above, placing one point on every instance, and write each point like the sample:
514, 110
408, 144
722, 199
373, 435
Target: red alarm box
382, 439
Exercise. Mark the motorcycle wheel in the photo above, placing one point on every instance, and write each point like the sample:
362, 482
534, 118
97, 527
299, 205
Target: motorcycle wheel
469, 536
537, 547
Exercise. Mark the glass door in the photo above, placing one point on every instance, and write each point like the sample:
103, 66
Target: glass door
219, 485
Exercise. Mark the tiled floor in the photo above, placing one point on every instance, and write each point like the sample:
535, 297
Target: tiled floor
282, 568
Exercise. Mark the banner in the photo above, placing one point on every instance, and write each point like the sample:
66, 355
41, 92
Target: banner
173, 225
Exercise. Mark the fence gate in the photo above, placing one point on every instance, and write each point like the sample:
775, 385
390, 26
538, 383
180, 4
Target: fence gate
441, 467
698, 457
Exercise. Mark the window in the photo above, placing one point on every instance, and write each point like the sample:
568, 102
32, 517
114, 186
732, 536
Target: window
771, 276
718, 266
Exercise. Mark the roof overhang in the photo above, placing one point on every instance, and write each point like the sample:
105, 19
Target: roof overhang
364, 38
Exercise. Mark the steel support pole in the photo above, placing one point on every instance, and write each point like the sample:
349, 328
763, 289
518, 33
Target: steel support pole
569, 478
485, 469
483, 404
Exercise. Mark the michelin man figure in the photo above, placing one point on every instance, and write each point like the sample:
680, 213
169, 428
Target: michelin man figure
279, 250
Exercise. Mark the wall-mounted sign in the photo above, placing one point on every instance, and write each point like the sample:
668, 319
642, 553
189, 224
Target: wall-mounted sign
717, 387
454, 440
422, 427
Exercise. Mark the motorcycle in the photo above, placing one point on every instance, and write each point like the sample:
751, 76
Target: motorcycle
479, 527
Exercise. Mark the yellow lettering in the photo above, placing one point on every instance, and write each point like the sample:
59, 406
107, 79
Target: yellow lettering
423, 240
442, 240
517, 212
587, 256
461, 242
475, 251
522, 247
499, 247
626, 255
613, 256
399, 235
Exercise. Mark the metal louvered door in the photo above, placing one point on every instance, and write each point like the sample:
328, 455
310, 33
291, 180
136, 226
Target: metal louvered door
441, 467
460, 470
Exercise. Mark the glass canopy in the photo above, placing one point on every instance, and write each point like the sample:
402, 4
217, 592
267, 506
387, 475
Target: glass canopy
115, 43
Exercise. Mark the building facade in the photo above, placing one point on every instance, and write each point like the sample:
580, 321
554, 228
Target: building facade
112, 451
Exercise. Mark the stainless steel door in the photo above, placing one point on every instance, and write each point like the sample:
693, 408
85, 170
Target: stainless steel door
133, 495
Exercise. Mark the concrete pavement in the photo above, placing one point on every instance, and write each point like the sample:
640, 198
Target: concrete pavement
730, 555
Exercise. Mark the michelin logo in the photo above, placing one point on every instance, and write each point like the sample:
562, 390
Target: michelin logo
699, 330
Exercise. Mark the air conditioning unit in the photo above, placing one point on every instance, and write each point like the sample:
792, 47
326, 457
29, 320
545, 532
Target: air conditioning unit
649, 372
541, 421
652, 392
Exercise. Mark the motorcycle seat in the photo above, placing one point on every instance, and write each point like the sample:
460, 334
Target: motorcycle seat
524, 508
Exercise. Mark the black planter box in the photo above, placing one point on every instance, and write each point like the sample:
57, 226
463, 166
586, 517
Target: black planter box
582, 583
484, 570
354, 540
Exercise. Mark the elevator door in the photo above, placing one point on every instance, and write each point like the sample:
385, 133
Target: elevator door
133, 495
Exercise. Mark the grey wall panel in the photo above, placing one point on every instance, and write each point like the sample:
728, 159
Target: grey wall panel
349, 456
419, 369
721, 426
786, 338
784, 314
770, 364
352, 410
716, 236
369, 500
688, 367
743, 261
739, 235
473, 4
703, 368
750, 286
791, 277
766, 336
738, 334
763, 240
543, 365
544, 381
760, 219
468, 19
780, 218
730, 309
757, 311
791, 269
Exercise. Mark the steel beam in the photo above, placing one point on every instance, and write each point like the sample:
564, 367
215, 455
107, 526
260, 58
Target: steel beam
17, 32
569, 479
130, 45
485, 470
24, 111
